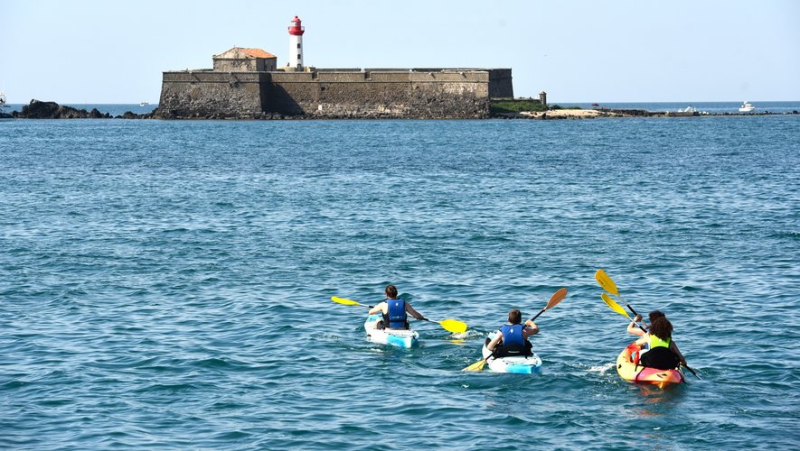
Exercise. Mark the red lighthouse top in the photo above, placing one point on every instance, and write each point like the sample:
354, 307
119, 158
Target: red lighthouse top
295, 29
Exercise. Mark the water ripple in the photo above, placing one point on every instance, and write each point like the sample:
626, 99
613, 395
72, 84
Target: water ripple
167, 284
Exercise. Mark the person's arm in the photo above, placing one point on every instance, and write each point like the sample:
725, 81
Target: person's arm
495, 341
642, 340
378, 308
677, 352
530, 329
633, 329
414, 313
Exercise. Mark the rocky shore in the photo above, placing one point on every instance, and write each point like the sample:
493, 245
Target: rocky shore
51, 110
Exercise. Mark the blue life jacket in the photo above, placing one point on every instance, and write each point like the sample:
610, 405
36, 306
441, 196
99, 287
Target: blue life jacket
398, 319
514, 343
512, 335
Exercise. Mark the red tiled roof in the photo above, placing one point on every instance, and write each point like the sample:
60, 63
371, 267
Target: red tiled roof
257, 53
252, 53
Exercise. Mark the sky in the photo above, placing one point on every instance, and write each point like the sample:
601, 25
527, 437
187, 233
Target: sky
100, 52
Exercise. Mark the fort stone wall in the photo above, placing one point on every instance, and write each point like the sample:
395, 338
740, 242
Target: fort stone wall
208, 94
501, 84
380, 94
401, 93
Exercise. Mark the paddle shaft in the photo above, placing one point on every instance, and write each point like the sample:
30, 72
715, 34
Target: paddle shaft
628, 305
644, 329
537, 315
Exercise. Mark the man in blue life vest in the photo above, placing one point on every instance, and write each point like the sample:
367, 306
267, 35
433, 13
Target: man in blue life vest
395, 311
513, 337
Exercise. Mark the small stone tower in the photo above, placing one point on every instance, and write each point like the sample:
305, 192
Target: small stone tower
296, 31
543, 98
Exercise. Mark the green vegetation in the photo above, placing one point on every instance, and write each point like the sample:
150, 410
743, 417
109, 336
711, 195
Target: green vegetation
559, 107
503, 106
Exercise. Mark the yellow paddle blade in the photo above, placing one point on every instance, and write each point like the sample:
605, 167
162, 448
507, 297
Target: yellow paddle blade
614, 306
477, 366
453, 326
606, 282
344, 301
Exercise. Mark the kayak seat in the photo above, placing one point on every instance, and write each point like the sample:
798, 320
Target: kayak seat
512, 351
660, 358
516, 350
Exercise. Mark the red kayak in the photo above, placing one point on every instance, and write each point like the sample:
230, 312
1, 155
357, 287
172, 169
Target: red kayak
629, 369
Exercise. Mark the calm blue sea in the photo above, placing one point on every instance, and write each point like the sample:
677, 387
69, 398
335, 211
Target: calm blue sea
167, 284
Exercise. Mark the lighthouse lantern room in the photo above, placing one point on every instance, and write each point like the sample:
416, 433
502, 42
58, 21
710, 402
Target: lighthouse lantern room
296, 31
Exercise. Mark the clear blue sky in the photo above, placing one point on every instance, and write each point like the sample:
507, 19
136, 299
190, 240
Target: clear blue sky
578, 51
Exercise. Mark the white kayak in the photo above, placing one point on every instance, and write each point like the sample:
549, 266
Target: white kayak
516, 364
395, 337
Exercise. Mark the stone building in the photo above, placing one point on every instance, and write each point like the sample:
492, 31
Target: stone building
239, 59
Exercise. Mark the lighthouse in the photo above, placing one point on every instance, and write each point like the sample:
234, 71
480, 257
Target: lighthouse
296, 31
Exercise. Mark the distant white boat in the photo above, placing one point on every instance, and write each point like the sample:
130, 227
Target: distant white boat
688, 109
144, 104
746, 107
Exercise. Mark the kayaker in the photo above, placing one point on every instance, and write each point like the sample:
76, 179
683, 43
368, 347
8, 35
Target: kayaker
513, 337
664, 353
633, 329
395, 311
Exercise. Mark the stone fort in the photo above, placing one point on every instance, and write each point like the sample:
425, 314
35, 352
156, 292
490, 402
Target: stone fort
246, 83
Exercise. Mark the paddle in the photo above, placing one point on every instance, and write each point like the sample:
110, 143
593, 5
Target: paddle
450, 325
617, 308
607, 284
691, 371
348, 302
557, 297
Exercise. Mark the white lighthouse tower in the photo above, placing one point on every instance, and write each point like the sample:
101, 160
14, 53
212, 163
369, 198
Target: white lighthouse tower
296, 31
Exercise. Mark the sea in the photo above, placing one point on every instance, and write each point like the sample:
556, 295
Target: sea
168, 284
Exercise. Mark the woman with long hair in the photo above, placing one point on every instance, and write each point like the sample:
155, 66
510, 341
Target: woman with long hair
634, 329
664, 353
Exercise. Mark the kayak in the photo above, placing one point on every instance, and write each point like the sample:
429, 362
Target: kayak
511, 364
396, 337
629, 369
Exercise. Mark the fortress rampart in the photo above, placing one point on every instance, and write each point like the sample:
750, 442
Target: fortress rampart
333, 93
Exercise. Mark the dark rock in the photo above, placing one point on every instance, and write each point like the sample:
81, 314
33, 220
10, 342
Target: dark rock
132, 115
95, 114
38, 110
52, 110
